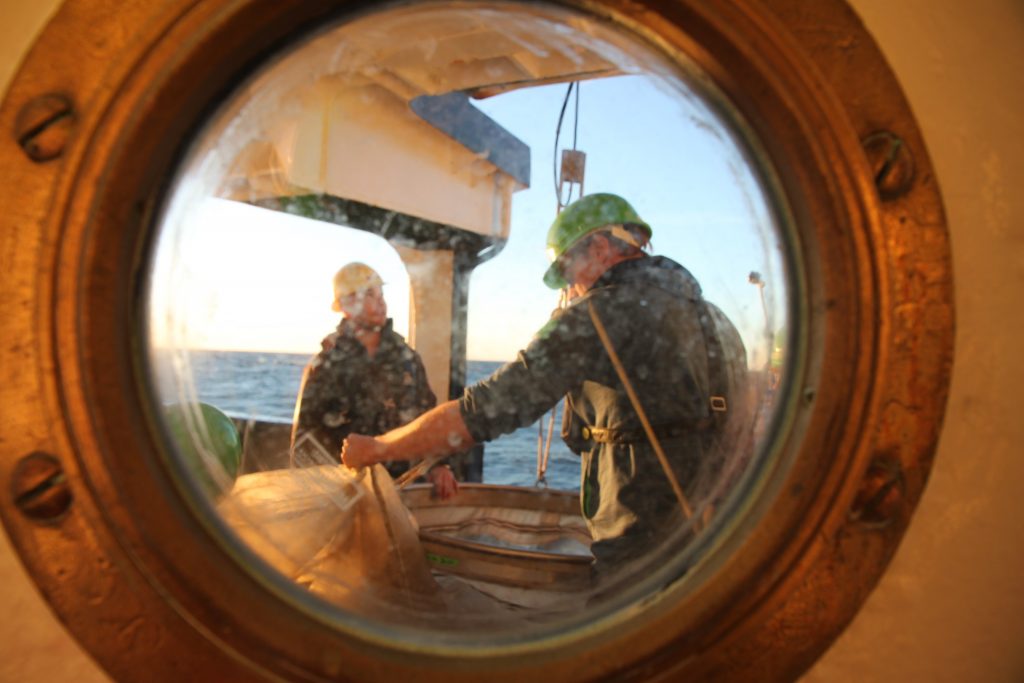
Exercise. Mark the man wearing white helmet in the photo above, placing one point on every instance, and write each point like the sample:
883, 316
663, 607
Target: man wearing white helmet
366, 379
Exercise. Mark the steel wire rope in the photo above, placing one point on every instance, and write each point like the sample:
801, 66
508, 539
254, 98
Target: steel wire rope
558, 133
297, 412
544, 444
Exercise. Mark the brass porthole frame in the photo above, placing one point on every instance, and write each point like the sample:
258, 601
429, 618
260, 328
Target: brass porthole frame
93, 125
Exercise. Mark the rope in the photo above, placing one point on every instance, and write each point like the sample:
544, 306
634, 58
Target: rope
417, 470
392, 536
296, 412
544, 452
558, 133
576, 116
554, 154
547, 444
635, 400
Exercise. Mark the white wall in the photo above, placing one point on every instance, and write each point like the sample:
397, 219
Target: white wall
951, 608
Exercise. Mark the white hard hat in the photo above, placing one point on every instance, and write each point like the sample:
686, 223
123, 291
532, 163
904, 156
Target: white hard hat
355, 277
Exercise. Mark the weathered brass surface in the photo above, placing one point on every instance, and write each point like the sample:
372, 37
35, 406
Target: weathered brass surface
143, 581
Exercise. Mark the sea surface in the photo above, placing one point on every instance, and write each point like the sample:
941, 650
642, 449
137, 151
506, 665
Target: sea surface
264, 386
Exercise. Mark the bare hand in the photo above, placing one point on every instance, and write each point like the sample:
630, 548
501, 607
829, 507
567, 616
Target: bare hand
445, 484
360, 451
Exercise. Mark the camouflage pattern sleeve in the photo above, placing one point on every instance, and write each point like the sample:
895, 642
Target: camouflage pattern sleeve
518, 393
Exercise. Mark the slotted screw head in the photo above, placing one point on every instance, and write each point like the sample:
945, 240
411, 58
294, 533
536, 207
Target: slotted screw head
40, 488
43, 127
891, 162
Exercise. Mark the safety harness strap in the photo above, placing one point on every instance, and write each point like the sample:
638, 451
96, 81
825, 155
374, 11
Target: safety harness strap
718, 407
625, 436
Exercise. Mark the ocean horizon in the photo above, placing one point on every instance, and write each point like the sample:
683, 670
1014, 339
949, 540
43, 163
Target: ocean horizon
263, 385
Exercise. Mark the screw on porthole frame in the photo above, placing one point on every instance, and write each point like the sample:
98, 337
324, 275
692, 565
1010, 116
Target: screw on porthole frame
892, 164
43, 126
40, 488
882, 493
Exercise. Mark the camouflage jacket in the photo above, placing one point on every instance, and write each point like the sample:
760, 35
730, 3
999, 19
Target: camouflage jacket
347, 391
650, 307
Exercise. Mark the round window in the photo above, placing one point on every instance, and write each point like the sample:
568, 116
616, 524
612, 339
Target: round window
377, 159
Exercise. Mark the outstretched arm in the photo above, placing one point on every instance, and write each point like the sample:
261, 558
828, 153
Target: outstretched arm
438, 432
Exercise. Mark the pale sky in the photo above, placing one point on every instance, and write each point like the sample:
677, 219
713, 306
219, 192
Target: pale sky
237, 277
666, 155
257, 279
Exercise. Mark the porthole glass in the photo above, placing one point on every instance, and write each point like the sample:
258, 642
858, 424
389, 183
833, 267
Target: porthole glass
436, 144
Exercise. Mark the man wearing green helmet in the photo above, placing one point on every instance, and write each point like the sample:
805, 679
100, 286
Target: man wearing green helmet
636, 352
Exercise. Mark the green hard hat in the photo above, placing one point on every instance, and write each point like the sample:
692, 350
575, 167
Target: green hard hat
579, 219
208, 443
